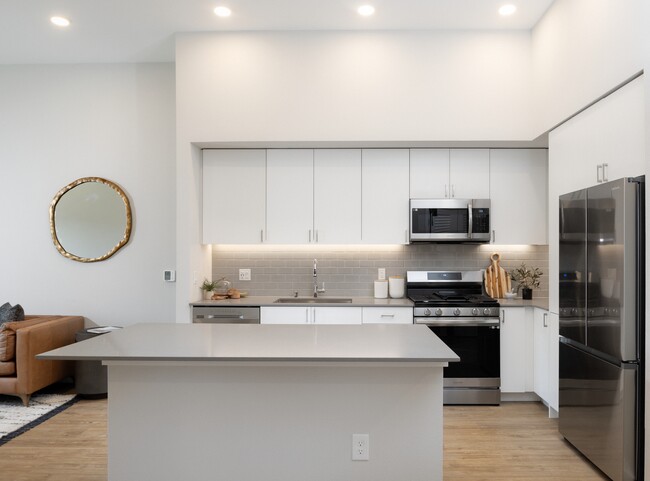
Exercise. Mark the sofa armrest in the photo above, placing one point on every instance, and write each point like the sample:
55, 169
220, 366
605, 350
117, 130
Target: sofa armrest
34, 374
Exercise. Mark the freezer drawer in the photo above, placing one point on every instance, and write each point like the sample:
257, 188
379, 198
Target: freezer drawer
598, 411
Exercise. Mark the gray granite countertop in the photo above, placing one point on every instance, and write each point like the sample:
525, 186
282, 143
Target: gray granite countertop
541, 302
255, 301
264, 343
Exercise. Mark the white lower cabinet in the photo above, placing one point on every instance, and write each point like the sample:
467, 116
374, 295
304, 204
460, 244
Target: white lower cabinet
388, 315
546, 336
310, 315
516, 350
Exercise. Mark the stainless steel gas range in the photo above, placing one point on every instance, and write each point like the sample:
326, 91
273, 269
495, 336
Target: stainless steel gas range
456, 308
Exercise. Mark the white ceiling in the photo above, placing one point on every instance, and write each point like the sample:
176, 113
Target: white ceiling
143, 30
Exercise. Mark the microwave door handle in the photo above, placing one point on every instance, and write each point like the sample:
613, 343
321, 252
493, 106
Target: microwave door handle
469, 227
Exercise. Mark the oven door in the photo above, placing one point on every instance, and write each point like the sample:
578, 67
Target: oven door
476, 378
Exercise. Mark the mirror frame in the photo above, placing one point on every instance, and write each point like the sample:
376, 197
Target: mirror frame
72, 185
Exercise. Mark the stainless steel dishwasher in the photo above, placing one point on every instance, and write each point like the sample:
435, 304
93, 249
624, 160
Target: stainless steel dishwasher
225, 315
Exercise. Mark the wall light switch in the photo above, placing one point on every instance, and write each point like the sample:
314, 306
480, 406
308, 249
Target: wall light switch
244, 274
381, 274
169, 276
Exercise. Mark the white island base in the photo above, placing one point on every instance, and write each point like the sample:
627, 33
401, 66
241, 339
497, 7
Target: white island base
270, 403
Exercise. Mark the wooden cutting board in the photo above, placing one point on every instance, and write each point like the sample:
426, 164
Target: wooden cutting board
497, 280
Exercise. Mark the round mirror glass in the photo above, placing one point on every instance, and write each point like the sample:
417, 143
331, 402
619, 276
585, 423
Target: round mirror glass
90, 219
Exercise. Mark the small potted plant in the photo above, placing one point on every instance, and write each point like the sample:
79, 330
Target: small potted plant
526, 279
208, 288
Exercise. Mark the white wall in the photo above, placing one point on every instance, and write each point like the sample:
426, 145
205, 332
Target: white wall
582, 49
60, 123
354, 86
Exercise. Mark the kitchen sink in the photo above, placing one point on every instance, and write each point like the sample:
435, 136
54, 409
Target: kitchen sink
312, 300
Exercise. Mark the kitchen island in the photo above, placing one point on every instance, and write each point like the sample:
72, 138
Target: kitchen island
271, 402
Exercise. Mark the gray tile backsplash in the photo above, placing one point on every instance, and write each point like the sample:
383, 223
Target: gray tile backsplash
351, 270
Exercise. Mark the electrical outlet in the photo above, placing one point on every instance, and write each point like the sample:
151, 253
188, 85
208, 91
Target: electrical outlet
381, 274
244, 274
360, 447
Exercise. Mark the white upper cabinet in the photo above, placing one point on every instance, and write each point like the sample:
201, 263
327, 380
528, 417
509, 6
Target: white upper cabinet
429, 172
290, 196
234, 196
337, 196
385, 196
469, 173
447, 173
519, 202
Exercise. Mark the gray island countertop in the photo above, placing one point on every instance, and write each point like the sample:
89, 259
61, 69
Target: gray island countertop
263, 343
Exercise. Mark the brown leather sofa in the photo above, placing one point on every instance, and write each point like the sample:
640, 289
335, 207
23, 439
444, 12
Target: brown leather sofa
23, 374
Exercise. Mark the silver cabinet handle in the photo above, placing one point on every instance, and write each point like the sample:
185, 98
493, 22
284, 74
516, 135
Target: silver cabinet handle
306, 315
446, 194
310, 235
503, 317
314, 317
545, 319
599, 172
494, 236
262, 235
406, 236
453, 191
387, 315
469, 223
605, 178
316, 232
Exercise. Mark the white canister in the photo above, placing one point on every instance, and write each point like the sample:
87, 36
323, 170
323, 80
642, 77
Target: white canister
381, 289
396, 286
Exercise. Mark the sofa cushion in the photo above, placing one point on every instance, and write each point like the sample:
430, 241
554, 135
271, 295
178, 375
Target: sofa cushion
9, 313
8, 335
7, 368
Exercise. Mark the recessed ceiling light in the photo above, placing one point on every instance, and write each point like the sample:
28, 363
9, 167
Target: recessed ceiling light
60, 21
507, 9
366, 10
222, 12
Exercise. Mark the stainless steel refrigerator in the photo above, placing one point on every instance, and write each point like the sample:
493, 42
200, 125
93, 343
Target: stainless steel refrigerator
602, 305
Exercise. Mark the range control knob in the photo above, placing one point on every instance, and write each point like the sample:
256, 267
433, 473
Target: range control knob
456, 312
486, 311
427, 312
475, 311
438, 312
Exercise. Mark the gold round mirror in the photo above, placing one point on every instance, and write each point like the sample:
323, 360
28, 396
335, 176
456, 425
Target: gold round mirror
90, 219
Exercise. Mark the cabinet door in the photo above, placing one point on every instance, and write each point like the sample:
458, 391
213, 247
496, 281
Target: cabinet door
234, 196
429, 173
385, 196
553, 362
469, 173
289, 196
519, 189
514, 353
388, 315
285, 315
541, 333
337, 196
336, 315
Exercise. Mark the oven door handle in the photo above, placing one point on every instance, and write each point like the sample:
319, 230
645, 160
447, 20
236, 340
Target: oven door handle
457, 321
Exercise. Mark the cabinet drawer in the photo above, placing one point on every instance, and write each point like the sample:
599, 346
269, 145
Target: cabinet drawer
284, 315
387, 315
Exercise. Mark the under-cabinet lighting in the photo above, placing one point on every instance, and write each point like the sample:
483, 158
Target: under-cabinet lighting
507, 10
60, 21
366, 10
222, 12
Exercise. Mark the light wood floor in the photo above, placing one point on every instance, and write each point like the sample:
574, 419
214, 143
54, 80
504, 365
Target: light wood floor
514, 441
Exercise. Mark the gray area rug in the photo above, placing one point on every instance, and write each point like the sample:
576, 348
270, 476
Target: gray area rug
15, 418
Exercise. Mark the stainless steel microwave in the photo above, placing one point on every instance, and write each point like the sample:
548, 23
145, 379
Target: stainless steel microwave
450, 220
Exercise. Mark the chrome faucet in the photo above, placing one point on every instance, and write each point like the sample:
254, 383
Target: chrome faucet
315, 276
